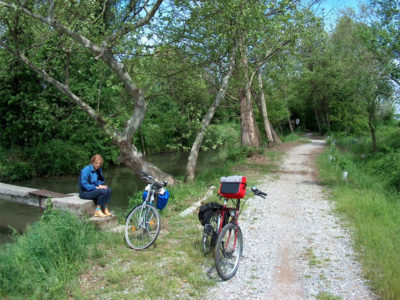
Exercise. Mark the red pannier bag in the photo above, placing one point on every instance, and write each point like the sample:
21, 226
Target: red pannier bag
233, 187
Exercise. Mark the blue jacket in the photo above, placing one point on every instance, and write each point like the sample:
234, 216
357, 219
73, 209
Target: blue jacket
89, 178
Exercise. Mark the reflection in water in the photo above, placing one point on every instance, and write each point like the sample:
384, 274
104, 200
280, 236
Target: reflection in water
123, 182
17, 216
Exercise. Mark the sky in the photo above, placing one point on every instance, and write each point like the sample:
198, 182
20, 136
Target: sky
330, 9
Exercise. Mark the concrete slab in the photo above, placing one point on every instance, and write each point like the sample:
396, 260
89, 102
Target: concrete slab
74, 204
105, 223
18, 194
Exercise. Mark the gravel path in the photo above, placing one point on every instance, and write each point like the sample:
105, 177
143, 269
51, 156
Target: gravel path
294, 245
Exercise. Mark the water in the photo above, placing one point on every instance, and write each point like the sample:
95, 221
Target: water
17, 216
123, 182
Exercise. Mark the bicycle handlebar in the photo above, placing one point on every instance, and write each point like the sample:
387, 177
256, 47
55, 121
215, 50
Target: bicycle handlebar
257, 192
150, 179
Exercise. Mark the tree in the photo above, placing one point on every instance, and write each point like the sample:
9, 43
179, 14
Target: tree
361, 80
384, 37
104, 45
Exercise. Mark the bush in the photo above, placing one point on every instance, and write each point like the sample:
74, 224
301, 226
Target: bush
12, 167
58, 157
40, 263
387, 167
388, 138
219, 134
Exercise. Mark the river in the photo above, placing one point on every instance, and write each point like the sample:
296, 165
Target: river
123, 182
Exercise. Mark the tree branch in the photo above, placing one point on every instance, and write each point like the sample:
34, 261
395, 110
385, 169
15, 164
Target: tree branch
65, 90
128, 28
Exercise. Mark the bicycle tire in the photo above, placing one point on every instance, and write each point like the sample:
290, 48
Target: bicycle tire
142, 227
210, 236
226, 256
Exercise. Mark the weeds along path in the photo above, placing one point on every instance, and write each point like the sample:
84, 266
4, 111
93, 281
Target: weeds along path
295, 247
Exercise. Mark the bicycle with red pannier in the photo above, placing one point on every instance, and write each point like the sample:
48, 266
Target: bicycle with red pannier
221, 227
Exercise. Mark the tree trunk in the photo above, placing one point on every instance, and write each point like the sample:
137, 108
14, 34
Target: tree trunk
250, 136
290, 125
277, 140
249, 130
194, 152
373, 134
264, 112
134, 160
317, 120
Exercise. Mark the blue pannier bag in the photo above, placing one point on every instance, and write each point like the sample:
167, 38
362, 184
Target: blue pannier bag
162, 200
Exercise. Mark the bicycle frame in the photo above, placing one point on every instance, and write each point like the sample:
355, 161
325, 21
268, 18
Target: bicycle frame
224, 210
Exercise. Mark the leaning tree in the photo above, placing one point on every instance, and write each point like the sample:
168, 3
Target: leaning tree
103, 30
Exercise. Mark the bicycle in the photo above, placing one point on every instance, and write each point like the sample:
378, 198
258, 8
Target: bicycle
143, 224
223, 234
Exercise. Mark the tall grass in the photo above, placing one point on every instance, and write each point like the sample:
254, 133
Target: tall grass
371, 204
40, 263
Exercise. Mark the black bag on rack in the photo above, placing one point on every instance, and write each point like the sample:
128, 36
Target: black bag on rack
206, 211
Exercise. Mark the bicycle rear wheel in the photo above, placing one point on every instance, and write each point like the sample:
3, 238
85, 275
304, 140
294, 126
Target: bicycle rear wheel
228, 251
210, 234
142, 227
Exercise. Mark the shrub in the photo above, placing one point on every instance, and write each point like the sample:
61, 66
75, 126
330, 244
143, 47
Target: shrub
58, 157
12, 167
387, 167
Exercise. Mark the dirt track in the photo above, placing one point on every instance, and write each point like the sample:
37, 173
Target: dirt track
295, 247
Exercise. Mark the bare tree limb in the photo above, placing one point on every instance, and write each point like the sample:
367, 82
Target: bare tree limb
140, 23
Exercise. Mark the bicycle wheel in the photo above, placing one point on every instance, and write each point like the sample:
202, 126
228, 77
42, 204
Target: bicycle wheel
210, 234
228, 251
142, 227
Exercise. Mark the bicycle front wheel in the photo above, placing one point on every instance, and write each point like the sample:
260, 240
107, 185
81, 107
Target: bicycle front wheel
210, 234
228, 251
142, 227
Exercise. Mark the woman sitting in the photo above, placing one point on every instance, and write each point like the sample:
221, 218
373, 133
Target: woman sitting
91, 186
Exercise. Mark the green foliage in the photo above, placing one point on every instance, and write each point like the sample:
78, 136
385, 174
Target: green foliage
220, 134
387, 167
40, 263
12, 167
57, 157
385, 163
388, 138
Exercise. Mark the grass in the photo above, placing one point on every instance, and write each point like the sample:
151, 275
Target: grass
39, 264
372, 209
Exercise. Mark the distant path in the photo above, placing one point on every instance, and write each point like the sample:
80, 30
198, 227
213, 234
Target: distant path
294, 245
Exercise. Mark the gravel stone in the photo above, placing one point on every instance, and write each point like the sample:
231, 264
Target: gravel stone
295, 246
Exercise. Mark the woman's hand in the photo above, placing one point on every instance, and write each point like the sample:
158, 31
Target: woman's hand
104, 187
